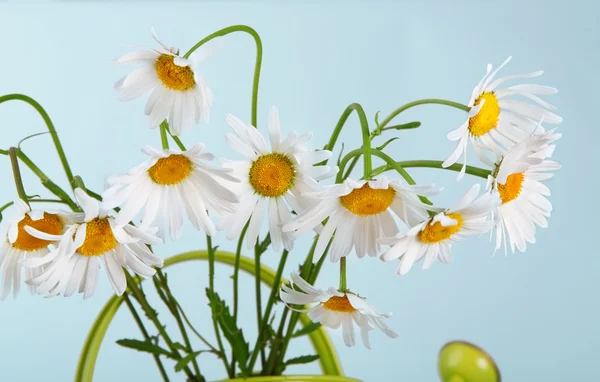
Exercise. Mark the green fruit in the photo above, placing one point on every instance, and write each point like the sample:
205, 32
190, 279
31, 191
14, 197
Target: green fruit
460, 361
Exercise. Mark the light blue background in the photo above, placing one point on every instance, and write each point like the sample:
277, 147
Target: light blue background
536, 313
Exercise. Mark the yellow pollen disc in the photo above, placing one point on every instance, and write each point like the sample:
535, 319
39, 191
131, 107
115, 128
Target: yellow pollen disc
435, 233
339, 304
512, 188
170, 170
50, 224
99, 238
367, 201
487, 118
271, 175
172, 76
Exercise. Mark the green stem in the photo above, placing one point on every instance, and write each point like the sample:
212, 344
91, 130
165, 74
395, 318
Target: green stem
140, 324
259, 314
236, 272
471, 170
14, 161
164, 127
425, 101
176, 140
265, 318
351, 167
213, 308
257, 66
49, 124
343, 286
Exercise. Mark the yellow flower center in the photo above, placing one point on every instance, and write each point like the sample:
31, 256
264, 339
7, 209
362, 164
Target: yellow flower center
487, 118
272, 174
99, 238
170, 170
435, 233
367, 201
512, 188
172, 76
339, 304
50, 224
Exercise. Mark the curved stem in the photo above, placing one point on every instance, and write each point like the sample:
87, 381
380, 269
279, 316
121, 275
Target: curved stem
257, 66
87, 360
425, 101
471, 170
49, 124
12, 153
236, 271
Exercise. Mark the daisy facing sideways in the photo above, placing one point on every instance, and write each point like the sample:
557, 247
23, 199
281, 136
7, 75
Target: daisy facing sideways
272, 179
517, 179
432, 239
18, 245
333, 309
74, 264
177, 93
359, 213
498, 122
168, 186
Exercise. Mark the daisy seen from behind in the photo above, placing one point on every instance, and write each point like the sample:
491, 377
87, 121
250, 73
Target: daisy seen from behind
170, 185
498, 122
432, 238
272, 180
75, 262
359, 213
177, 93
333, 309
517, 178
19, 245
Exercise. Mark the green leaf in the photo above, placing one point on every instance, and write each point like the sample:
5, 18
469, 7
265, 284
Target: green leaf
339, 159
232, 333
180, 346
307, 329
144, 346
302, 359
181, 364
387, 143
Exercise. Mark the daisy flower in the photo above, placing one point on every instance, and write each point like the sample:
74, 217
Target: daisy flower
433, 238
74, 264
18, 245
169, 185
272, 180
517, 179
498, 122
177, 93
333, 309
359, 213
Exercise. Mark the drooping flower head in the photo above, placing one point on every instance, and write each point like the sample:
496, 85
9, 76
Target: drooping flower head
359, 213
498, 122
272, 180
19, 245
333, 309
170, 185
74, 264
432, 238
177, 93
517, 178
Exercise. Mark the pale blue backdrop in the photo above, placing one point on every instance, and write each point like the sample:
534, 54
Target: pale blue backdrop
536, 313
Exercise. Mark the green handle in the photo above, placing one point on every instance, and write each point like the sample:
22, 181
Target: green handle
461, 361
295, 378
330, 364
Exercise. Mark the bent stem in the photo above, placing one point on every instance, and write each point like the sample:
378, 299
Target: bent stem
49, 125
471, 170
12, 153
424, 101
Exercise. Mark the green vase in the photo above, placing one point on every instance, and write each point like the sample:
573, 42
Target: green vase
460, 361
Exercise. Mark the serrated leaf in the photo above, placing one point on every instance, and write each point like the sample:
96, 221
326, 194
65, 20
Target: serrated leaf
182, 363
307, 329
302, 359
232, 333
144, 346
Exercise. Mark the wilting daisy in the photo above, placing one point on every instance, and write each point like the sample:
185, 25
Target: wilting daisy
178, 94
168, 186
361, 212
433, 238
498, 122
272, 180
333, 309
518, 180
18, 245
74, 264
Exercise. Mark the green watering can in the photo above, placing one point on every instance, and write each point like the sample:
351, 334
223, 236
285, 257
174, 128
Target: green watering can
460, 361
